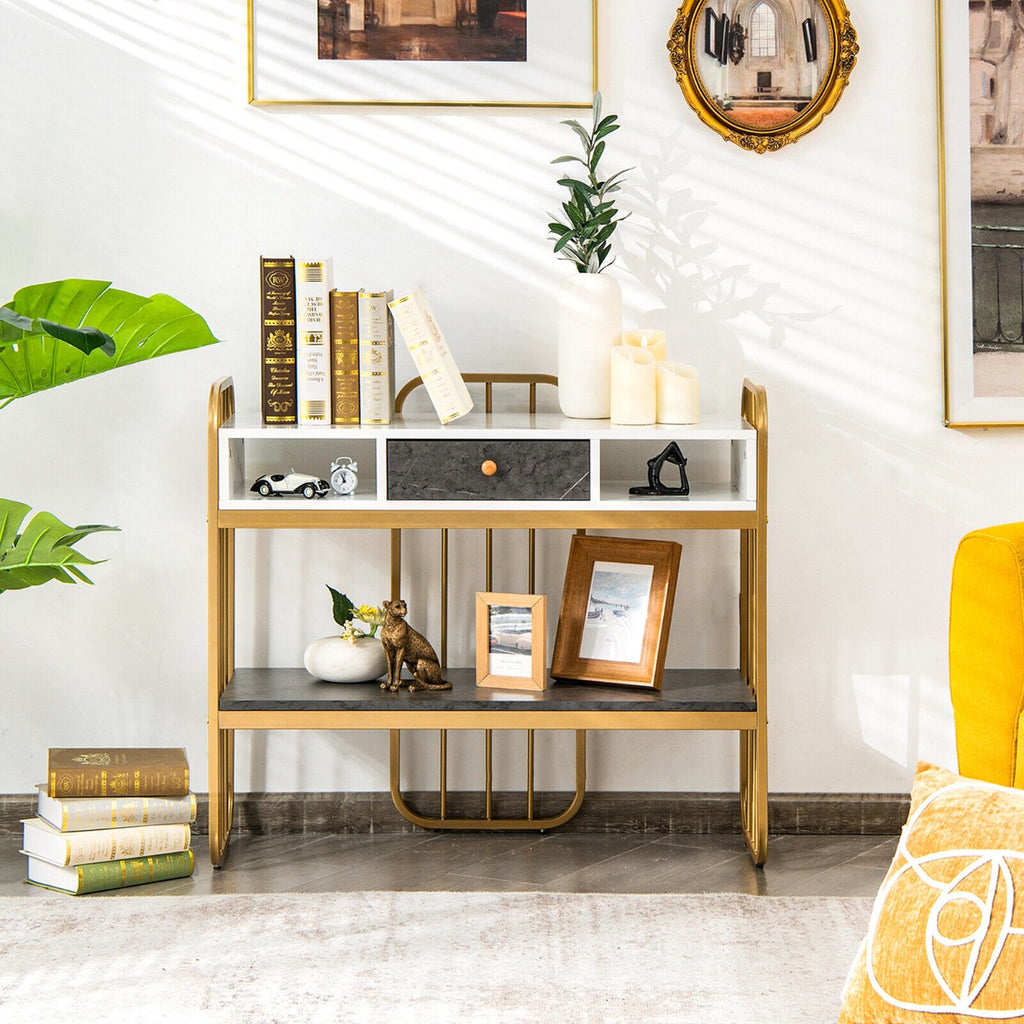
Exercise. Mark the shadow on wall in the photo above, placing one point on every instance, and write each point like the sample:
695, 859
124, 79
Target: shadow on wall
668, 254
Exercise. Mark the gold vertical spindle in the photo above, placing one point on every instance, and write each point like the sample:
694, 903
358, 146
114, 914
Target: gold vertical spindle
529, 774
444, 598
488, 396
489, 773
533, 396
489, 561
532, 579
396, 564
443, 774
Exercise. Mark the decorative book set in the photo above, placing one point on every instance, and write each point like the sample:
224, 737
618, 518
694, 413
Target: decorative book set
106, 819
328, 356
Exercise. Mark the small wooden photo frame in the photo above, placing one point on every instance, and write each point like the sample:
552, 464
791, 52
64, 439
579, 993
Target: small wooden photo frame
616, 610
511, 641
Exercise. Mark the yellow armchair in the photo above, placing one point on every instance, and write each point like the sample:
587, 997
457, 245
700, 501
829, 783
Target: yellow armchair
986, 654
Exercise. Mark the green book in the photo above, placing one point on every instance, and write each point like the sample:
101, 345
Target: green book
111, 874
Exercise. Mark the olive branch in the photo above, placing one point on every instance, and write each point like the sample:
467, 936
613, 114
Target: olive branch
584, 234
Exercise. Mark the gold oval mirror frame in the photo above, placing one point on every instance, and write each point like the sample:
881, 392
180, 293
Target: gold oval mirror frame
762, 73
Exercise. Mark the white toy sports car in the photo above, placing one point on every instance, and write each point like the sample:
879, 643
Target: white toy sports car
291, 483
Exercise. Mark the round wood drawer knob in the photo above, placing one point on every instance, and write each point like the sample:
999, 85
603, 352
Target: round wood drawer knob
488, 467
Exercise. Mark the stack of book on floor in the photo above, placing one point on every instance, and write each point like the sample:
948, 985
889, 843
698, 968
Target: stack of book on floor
107, 819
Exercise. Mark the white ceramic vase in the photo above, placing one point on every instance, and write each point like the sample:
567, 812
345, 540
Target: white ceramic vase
589, 324
336, 660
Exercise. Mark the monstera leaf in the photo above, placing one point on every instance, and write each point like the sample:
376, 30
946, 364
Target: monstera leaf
40, 549
63, 331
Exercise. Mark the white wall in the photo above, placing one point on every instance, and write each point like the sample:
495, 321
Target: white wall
130, 154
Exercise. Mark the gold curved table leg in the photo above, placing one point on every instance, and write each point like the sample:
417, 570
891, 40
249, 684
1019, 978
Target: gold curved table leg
754, 794
489, 821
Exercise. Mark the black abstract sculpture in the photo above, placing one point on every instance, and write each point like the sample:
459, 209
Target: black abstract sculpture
673, 457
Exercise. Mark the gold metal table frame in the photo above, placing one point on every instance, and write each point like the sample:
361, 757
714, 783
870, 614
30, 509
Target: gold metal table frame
225, 716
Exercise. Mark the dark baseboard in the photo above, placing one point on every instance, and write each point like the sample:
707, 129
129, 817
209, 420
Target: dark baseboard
340, 813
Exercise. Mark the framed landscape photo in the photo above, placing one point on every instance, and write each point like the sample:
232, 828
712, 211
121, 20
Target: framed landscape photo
616, 610
500, 53
981, 149
511, 641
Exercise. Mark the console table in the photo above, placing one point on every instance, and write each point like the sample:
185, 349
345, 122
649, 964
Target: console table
390, 497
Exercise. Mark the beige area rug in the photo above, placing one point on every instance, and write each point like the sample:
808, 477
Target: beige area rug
393, 958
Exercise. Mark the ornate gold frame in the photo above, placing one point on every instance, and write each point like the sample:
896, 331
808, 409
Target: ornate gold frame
683, 43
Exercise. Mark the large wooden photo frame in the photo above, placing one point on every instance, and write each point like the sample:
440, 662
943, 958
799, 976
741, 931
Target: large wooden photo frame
981, 137
552, 60
616, 610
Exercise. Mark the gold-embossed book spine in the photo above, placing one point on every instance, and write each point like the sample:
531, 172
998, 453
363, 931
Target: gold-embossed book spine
376, 358
111, 874
313, 346
277, 309
344, 357
78, 814
119, 771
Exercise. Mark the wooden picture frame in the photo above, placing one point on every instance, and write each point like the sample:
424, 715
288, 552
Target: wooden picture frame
511, 641
616, 610
982, 215
553, 62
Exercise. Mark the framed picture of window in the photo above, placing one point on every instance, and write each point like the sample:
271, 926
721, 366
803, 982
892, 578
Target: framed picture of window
494, 53
511, 641
616, 610
981, 132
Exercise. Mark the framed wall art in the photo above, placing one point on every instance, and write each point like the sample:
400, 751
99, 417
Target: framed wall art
511, 641
981, 142
616, 610
492, 53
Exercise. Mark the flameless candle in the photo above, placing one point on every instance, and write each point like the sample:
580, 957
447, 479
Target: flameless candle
678, 390
653, 341
632, 385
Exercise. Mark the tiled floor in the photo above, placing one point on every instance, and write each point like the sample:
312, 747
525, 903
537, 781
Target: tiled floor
558, 862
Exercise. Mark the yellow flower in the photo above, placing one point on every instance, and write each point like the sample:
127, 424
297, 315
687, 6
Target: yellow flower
370, 614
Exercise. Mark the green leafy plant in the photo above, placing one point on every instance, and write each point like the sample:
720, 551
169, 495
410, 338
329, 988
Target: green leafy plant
56, 333
584, 234
38, 550
346, 615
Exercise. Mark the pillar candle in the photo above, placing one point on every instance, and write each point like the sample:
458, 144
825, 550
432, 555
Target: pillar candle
652, 340
632, 385
678, 390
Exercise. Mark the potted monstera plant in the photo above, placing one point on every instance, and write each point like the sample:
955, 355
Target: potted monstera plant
53, 334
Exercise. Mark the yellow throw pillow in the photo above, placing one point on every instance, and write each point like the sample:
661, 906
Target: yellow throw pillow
946, 938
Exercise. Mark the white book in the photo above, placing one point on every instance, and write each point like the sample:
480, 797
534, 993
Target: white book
67, 849
313, 340
376, 358
432, 356
76, 814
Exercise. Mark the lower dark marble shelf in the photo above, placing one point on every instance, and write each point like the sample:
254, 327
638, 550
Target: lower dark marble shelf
294, 689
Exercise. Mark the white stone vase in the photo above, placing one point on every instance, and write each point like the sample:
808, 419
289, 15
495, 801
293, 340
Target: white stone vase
589, 324
336, 660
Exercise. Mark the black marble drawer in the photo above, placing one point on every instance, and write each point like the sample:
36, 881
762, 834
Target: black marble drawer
521, 470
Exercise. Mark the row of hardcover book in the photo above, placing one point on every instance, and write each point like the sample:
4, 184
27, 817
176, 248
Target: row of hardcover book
106, 819
328, 355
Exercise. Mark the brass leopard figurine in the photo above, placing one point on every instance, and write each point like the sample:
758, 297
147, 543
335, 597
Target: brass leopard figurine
404, 646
